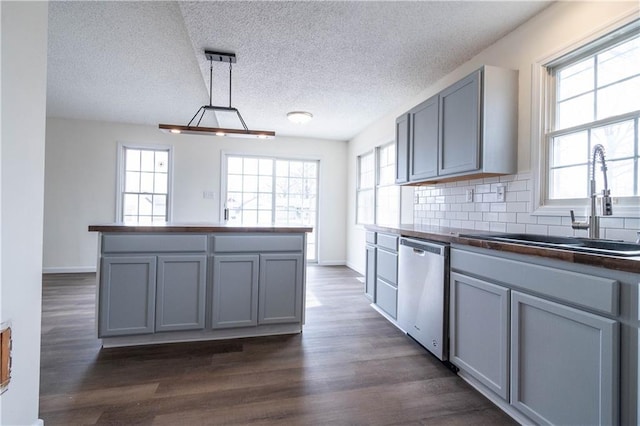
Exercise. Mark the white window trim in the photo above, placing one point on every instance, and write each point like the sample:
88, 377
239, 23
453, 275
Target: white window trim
120, 175
373, 189
540, 105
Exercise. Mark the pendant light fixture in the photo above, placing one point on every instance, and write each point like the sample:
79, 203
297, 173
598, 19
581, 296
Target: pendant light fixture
197, 130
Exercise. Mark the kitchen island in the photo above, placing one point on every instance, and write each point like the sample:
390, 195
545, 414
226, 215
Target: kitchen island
185, 282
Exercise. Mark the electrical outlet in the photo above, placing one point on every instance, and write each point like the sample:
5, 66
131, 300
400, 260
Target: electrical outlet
501, 191
469, 195
416, 198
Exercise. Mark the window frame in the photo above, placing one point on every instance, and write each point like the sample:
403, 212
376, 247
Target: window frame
543, 114
120, 177
372, 189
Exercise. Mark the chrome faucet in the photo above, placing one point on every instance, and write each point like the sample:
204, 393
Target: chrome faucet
593, 224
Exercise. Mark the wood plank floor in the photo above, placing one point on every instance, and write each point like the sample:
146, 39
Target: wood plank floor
348, 367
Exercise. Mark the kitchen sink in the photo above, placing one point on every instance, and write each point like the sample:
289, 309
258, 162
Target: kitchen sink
605, 247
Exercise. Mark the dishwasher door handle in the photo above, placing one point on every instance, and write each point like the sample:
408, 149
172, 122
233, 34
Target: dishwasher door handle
418, 252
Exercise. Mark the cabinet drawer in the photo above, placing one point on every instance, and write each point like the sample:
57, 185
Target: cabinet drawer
153, 243
386, 297
253, 243
370, 237
387, 266
596, 293
388, 241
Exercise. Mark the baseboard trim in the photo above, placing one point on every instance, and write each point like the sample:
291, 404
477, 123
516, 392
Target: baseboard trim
68, 269
332, 263
353, 267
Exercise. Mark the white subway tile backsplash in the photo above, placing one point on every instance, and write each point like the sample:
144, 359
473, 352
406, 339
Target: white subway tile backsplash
446, 205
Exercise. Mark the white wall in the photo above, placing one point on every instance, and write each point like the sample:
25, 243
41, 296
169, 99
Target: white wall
555, 28
80, 183
24, 60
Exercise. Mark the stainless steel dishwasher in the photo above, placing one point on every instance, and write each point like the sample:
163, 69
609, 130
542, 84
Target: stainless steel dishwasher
422, 294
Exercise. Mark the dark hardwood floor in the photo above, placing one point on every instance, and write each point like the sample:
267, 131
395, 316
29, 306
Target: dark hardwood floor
348, 367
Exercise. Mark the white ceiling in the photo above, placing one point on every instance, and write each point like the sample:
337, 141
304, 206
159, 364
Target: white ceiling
348, 63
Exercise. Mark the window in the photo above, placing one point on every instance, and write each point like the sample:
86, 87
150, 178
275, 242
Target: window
365, 189
143, 184
273, 191
594, 98
378, 198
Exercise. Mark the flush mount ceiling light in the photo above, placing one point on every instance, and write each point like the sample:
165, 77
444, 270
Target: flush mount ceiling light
197, 130
299, 117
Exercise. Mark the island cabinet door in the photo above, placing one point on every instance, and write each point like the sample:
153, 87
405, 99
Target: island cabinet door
127, 295
281, 289
235, 291
564, 363
180, 293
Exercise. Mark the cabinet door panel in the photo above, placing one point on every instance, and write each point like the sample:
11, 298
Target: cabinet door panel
180, 295
387, 266
402, 149
370, 277
387, 297
479, 318
460, 126
423, 145
235, 291
280, 288
564, 363
127, 295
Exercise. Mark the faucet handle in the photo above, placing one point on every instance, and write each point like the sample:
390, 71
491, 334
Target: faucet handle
607, 204
577, 225
638, 234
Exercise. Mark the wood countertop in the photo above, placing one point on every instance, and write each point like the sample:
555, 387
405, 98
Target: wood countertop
452, 235
194, 227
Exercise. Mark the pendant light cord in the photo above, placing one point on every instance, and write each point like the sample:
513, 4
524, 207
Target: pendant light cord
230, 66
210, 81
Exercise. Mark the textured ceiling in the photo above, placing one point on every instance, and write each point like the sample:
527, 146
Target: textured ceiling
348, 63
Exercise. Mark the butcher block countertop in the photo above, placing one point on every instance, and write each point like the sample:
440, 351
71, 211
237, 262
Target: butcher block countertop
452, 235
194, 227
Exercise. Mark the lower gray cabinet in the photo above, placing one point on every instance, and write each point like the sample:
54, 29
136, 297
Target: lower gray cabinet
235, 291
280, 284
387, 297
479, 337
180, 290
564, 363
127, 295
370, 276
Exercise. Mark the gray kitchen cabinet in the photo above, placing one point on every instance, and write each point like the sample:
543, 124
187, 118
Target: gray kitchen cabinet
127, 295
564, 363
402, 149
423, 140
370, 274
479, 337
234, 299
460, 127
280, 288
386, 273
180, 292
468, 130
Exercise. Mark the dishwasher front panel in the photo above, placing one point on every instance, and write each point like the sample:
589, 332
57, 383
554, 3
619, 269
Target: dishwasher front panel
422, 295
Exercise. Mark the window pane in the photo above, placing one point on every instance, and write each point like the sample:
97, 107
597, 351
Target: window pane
147, 161
575, 111
570, 149
282, 168
619, 62
619, 98
234, 165
282, 185
250, 166
617, 140
130, 204
132, 159
146, 182
249, 200
575, 79
387, 202
249, 217
619, 176
264, 217
568, 182
160, 205
234, 183
310, 169
296, 169
264, 201
160, 185
265, 166
365, 206
250, 184
145, 205
132, 182
265, 184
162, 161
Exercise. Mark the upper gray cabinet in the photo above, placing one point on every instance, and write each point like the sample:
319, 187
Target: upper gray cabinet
468, 130
402, 149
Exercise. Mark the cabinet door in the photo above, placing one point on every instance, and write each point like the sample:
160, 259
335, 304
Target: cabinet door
280, 299
370, 277
479, 318
423, 142
387, 266
460, 126
180, 294
387, 297
235, 291
402, 149
127, 295
564, 363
